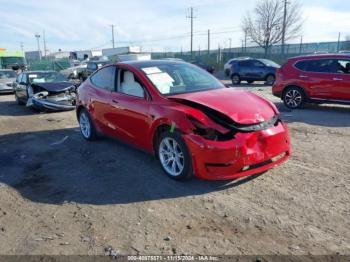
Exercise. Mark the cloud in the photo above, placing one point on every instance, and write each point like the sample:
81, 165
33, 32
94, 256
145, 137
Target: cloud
78, 24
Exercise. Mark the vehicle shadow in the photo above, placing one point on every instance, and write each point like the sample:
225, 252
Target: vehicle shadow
11, 108
58, 166
320, 115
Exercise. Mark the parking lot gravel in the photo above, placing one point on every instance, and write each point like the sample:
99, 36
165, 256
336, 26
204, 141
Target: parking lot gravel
62, 195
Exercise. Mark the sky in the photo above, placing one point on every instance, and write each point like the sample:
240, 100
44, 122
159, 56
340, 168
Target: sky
156, 25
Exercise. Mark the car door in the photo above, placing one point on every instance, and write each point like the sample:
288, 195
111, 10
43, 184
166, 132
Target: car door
131, 104
101, 88
257, 70
341, 78
316, 77
245, 69
21, 87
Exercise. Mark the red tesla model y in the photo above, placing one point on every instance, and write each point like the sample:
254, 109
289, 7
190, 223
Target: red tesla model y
187, 118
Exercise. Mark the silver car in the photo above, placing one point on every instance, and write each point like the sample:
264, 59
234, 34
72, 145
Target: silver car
7, 77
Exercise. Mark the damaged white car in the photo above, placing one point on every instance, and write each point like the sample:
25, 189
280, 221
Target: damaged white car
45, 90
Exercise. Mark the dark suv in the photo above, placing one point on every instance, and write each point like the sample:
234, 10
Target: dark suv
251, 70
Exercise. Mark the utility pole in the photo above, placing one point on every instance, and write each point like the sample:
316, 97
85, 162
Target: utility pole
44, 39
245, 40
37, 36
208, 42
338, 46
230, 39
112, 26
301, 45
22, 48
191, 17
284, 25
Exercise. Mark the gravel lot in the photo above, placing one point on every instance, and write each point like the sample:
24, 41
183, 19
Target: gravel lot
62, 195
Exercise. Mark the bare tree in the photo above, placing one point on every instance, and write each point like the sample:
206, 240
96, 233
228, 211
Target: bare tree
265, 27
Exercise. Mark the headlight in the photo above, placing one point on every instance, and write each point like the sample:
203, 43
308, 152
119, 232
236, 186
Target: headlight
201, 130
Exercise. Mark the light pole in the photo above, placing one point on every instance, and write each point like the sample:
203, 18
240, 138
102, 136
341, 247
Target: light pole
37, 36
230, 39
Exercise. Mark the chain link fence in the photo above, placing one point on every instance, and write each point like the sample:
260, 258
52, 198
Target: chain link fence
219, 57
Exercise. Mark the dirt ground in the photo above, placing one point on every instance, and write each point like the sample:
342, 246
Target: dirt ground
62, 195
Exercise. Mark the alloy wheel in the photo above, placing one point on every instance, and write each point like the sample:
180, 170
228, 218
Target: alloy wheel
85, 125
171, 156
235, 79
293, 98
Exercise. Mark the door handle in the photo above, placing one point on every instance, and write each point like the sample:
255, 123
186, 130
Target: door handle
302, 76
337, 79
115, 101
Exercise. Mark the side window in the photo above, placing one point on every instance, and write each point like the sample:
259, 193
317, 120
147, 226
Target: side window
245, 63
318, 66
302, 65
92, 66
257, 64
105, 78
130, 85
343, 66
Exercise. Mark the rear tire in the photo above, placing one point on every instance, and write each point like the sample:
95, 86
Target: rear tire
87, 128
174, 156
227, 72
236, 79
294, 97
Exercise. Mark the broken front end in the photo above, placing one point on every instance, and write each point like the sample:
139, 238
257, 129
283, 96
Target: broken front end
223, 149
61, 97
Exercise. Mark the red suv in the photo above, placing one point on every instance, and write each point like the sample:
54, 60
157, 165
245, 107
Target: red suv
314, 78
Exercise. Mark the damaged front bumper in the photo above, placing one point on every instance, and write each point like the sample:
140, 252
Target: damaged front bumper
59, 102
244, 155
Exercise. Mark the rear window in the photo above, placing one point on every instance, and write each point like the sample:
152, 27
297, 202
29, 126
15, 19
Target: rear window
318, 66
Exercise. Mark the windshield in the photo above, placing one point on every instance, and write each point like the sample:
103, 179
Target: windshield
49, 77
7, 74
270, 63
180, 78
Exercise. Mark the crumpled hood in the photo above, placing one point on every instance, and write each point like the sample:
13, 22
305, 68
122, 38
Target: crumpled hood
55, 87
241, 106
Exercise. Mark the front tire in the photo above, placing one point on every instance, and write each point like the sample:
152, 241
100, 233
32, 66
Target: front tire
174, 156
19, 102
236, 79
86, 125
294, 97
270, 79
